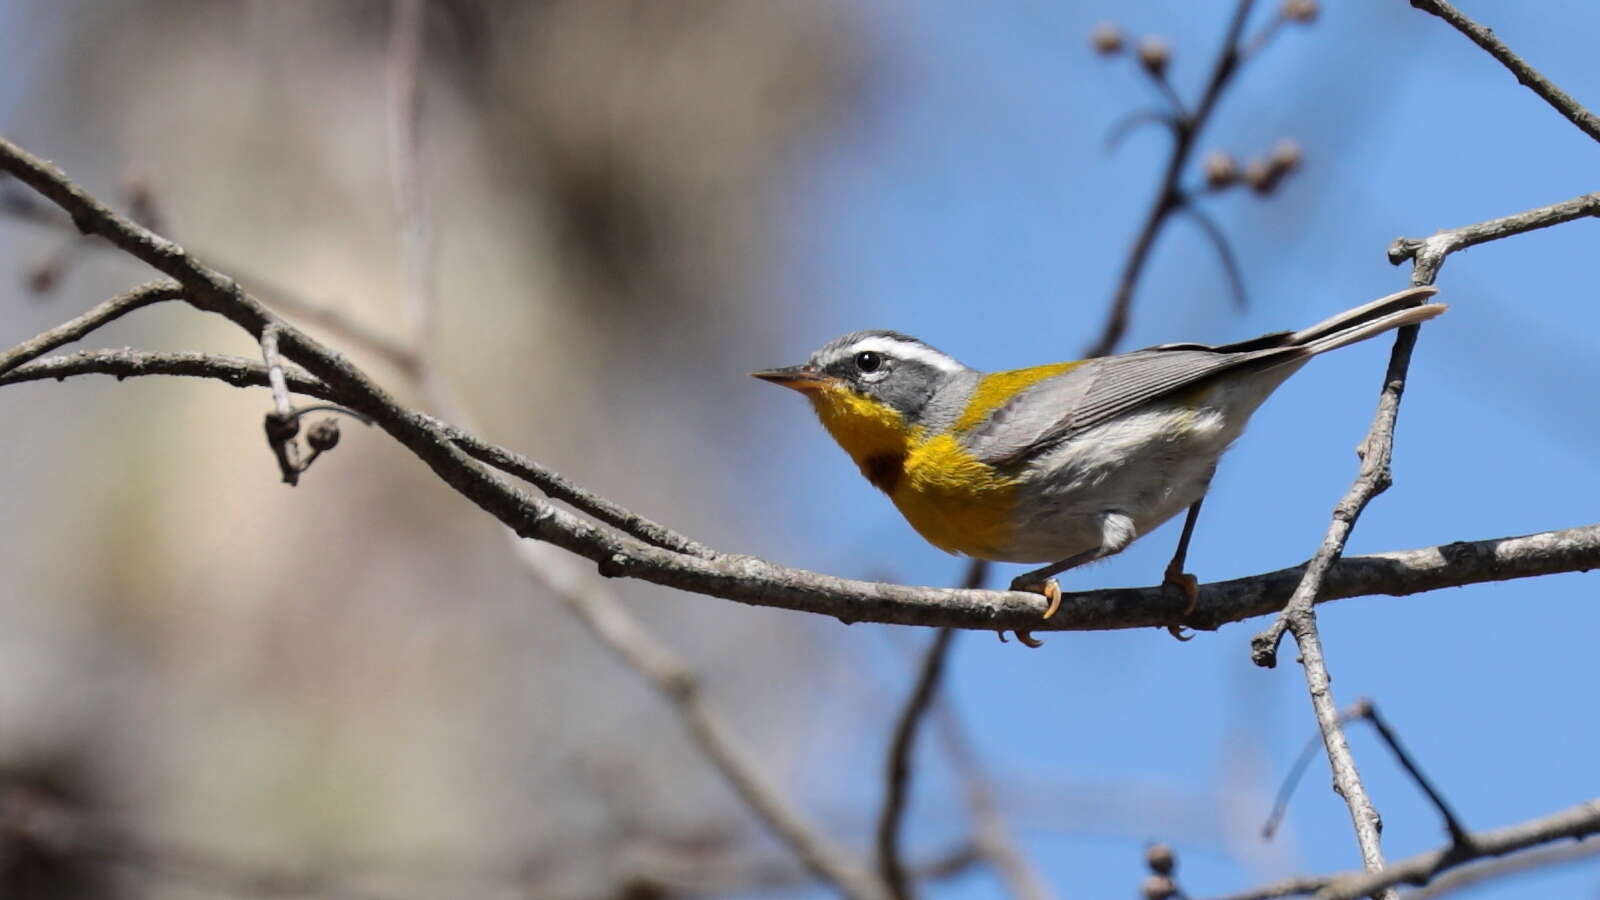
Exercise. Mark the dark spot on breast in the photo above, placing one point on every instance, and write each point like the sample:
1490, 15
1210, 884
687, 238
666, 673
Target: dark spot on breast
884, 470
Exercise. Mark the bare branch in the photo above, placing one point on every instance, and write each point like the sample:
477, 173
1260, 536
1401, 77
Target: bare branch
1219, 240
1299, 616
1368, 710
1169, 198
560, 488
282, 425
614, 627
898, 771
1526, 75
76, 329
1396, 573
1577, 821
993, 838
898, 781
1291, 780
1429, 253
1468, 876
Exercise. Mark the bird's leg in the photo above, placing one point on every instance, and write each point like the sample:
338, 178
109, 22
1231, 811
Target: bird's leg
1116, 532
1176, 577
1042, 581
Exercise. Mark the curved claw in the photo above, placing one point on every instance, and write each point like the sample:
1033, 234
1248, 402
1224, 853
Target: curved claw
1189, 587
1052, 592
1028, 640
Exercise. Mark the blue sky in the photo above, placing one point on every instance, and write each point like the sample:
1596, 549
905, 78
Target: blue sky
973, 203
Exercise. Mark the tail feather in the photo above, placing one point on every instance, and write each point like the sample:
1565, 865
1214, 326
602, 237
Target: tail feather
1408, 307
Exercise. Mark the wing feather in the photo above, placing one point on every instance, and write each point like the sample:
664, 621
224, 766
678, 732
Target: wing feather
1057, 408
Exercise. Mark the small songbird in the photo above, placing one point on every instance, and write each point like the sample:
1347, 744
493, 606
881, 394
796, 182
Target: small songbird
1064, 463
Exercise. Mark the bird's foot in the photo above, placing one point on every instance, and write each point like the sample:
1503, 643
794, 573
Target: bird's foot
1052, 594
1189, 587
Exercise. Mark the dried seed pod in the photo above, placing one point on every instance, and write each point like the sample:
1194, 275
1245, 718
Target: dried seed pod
1221, 169
1107, 39
1304, 11
1154, 54
1160, 859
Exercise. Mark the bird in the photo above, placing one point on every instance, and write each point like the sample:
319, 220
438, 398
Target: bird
1065, 463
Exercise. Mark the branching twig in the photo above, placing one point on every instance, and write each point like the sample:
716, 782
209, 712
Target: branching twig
1580, 821
1298, 616
1169, 196
1527, 75
614, 627
1577, 821
1291, 780
103, 312
1467, 876
1366, 709
1429, 254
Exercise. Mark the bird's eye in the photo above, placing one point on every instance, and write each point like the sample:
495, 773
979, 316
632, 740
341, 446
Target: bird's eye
867, 361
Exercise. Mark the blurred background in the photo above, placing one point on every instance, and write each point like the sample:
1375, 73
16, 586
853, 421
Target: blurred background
635, 203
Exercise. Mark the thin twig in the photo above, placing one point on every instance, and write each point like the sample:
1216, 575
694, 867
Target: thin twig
1578, 821
24, 208
1467, 876
898, 780
1219, 240
1169, 196
1526, 75
281, 423
1368, 710
1299, 617
614, 627
1291, 780
992, 834
1429, 253
558, 487
1575, 822
103, 312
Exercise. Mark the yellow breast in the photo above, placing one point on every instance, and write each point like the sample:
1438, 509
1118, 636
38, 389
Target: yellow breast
955, 502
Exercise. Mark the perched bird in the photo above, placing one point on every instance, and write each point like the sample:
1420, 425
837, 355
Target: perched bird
1064, 463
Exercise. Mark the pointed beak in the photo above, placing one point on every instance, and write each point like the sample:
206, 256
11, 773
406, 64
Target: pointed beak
804, 379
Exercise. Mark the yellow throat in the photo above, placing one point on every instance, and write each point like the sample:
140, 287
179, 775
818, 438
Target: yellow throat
956, 502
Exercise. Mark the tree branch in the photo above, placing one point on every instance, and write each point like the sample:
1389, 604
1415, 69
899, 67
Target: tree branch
1526, 75
1396, 573
1429, 253
1576, 822
102, 313
898, 780
618, 631
1169, 197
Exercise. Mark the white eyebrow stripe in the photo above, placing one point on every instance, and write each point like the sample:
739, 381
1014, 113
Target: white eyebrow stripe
906, 350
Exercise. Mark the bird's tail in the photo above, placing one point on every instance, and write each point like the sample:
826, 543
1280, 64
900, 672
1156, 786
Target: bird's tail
1408, 307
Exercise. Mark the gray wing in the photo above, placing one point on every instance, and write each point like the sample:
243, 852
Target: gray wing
1097, 391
